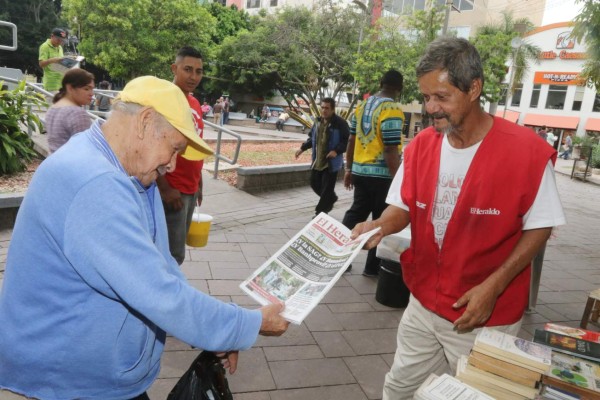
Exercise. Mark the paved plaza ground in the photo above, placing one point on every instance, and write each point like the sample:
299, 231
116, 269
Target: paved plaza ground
345, 347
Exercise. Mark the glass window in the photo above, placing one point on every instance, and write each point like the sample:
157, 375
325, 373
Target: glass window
578, 99
273, 3
556, 97
419, 4
535, 96
502, 100
516, 97
463, 5
596, 107
252, 3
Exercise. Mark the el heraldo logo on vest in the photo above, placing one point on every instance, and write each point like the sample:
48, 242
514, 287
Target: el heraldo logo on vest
484, 211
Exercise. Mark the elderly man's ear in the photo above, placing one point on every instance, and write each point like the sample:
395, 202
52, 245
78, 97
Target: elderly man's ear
145, 119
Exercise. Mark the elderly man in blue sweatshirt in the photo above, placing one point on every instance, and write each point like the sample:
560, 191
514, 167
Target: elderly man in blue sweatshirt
90, 287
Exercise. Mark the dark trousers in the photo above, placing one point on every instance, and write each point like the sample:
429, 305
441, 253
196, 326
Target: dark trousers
323, 184
369, 198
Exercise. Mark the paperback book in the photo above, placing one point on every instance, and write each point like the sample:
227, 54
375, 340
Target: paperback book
568, 344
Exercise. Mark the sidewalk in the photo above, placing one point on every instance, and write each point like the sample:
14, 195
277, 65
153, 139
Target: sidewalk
345, 347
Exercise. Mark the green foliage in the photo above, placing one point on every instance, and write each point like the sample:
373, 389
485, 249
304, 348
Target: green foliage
129, 38
299, 53
16, 148
230, 21
35, 19
587, 27
596, 157
493, 42
387, 48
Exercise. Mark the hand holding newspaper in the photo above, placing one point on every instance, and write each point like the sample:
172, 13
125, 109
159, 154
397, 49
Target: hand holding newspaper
305, 268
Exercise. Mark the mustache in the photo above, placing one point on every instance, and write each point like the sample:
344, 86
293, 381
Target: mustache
439, 116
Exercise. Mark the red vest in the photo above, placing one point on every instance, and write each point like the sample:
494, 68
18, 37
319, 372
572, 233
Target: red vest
187, 174
498, 190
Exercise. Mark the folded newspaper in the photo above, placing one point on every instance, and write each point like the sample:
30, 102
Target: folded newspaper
66, 64
305, 268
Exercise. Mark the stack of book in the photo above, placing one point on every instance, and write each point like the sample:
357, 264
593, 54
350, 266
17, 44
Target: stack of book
575, 369
504, 366
445, 387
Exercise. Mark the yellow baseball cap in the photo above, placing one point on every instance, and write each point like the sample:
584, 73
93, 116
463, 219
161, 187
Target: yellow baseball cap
169, 101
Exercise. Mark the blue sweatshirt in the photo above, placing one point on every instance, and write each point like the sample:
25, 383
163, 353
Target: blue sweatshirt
90, 286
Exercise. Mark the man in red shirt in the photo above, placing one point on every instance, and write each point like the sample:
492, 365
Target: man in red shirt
181, 189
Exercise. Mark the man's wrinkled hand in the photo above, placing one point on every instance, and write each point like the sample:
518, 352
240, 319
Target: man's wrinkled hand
273, 324
367, 226
479, 302
229, 360
172, 198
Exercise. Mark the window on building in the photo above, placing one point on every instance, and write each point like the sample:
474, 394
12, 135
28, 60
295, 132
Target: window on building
556, 97
461, 31
535, 96
273, 3
516, 96
463, 5
222, 2
596, 107
252, 3
578, 99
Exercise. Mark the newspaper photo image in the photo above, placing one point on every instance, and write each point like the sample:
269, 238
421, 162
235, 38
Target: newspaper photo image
302, 272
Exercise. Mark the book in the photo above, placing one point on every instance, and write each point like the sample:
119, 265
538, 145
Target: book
578, 333
574, 375
445, 387
514, 350
471, 373
552, 393
515, 373
66, 63
568, 344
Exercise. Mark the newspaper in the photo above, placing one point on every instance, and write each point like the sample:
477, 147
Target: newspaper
305, 268
66, 64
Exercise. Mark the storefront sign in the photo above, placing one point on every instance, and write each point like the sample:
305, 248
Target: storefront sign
564, 42
558, 78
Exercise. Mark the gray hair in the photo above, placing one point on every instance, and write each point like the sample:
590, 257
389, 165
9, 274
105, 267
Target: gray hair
456, 56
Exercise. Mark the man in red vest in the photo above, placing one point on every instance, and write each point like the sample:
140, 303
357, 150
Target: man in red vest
181, 189
481, 199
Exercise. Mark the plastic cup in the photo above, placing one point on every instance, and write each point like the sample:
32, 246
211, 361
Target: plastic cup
199, 228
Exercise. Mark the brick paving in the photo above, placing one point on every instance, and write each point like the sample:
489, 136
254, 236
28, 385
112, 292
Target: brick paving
345, 347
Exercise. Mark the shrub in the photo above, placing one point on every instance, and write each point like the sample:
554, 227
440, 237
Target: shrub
595, 162
16, 148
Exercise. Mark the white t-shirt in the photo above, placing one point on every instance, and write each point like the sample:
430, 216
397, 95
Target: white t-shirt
546, 210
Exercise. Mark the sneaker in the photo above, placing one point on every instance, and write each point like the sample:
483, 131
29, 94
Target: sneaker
370, 274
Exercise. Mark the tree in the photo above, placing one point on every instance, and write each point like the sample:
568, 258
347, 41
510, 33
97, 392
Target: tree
398, 43
299, 53
230, 21
35, 19
130, 38
587, 27
493, 42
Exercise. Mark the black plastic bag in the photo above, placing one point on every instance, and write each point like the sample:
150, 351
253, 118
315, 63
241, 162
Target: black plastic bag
204, 380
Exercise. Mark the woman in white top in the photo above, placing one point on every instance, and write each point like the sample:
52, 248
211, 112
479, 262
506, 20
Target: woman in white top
67, 117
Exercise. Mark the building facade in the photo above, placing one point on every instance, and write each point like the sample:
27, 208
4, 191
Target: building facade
552, 94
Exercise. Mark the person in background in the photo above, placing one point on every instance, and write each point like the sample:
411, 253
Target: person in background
328, 140
206, 109
90, 288
373, 156
102, 102
281, 120
51, 52
265, 113
543, 133
468, 264
551, 137
217, 109
225, 110
67, 116
567, 148
181, 189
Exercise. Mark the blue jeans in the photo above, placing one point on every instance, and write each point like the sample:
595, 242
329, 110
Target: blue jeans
178, 225
566, 154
